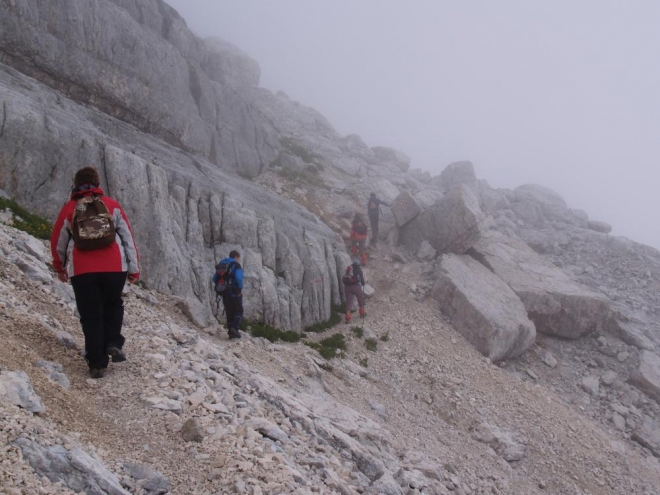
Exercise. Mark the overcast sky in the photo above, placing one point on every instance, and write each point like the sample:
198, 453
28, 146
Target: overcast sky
563, 93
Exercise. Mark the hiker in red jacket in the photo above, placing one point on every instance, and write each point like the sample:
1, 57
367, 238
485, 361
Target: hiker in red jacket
93, 247
359, 233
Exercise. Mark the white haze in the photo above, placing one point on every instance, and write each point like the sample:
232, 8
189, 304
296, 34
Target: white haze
564, 93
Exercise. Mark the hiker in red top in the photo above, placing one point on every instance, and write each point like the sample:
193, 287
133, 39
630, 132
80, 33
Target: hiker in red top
359, 231
93, 247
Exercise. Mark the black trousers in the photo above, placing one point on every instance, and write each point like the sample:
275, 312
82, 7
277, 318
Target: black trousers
101, 308
373, 218
233, 304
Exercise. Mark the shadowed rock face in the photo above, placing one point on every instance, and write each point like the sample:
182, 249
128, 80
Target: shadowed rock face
186, 213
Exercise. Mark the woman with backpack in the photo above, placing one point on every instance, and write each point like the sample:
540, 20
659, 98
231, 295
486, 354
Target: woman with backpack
359, 233
93, 247
353, 281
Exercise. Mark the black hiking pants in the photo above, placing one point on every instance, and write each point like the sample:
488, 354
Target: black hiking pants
101, 308
233, 304
373, 218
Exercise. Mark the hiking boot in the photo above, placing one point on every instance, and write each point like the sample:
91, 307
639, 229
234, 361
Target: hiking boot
96, 373
234, 334
363, 313
116, 354
348, 317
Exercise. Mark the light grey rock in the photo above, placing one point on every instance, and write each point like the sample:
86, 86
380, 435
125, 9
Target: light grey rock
537, 204
153, 482
16, 388
390, 155
609, 377
555, 303
192, 431
483, 308
76, 469
379, 409
54, 371
619, 422
549, 359
631, 333
597, 226
591, 385
32, 246
426, 251
647, 376
387, 485
66, 339
500, 440
453, 225
268, 429
31, 268
491, 200
427, 197
456, 174
648, 435
404, 208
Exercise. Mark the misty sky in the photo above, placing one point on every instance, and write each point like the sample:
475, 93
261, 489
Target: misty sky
563, 93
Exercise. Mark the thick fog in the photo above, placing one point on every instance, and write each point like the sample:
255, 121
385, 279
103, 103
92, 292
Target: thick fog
564, 93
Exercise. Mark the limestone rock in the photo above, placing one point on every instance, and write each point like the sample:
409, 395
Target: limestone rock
602, 227
483, 308
393, 156
75, 468
426, 251
590, 384
555, 303
648, 435
647, 376
153, 482
404, 208
456, 174
500, 440
452, 225
549, 359
537, 204
16, 388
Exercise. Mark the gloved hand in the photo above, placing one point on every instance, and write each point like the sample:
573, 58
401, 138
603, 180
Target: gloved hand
133, 277
63, 276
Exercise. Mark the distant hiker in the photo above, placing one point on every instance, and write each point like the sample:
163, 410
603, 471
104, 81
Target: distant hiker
358, 239
373, 210
228, 284
353, 281
93, 246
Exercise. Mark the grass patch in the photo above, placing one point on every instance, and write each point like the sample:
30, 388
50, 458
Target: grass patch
358, 331
272, 334
385, 337
331, 347
371, 344
28, 222
335, 319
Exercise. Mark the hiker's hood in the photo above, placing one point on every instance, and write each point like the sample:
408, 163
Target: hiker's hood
86, 190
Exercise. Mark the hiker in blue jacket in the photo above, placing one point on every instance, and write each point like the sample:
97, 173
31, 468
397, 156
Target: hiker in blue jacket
228, 283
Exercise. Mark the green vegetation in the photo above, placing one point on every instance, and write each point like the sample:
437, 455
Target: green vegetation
27, 222
245, 174
358, 331
371, 344
335, 318
273, 334
385, 337
330, 347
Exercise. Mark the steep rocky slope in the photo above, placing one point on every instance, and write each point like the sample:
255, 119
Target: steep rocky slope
195, 413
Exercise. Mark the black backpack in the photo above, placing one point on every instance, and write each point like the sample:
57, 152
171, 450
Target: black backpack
349, 277
226, 282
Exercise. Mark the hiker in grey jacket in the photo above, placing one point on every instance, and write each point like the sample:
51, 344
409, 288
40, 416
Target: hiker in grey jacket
373, 209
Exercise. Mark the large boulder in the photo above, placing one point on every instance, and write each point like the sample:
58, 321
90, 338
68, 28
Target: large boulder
536, 205
456, 174
392, 156
647, 376
404, 208
452, 225
483, 308
555, 303
602, 227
